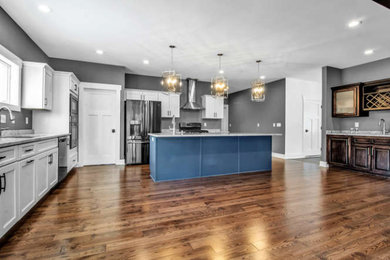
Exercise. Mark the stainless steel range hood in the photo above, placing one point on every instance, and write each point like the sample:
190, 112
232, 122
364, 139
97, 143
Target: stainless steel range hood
191, 96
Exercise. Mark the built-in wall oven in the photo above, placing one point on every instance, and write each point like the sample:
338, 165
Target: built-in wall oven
74, 121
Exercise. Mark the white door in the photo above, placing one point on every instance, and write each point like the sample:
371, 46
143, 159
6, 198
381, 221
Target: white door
26, 185
99, 123
311, 127
8, 197
225, 119
41, 175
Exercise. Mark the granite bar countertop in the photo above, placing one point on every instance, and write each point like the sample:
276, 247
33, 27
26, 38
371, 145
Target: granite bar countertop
357, 133
11, 140
213, 134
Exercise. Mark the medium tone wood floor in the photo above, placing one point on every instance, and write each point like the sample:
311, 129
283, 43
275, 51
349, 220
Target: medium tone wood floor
298, 212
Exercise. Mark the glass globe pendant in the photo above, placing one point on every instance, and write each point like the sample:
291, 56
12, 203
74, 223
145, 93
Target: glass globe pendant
219, 84
258, 87
171, 81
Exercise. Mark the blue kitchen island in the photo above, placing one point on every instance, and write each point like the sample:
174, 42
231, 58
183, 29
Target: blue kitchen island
175, 157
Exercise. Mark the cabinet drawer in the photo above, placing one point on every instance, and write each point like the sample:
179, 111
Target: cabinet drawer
362, 140
382, 141
27, 150
8, 155
72, 161
47, 145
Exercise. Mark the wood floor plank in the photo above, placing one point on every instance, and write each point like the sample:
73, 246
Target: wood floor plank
297, 211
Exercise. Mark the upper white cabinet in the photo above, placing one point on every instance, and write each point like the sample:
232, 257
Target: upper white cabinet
137, 94
170, 104
37, 86
8, 197
213, 107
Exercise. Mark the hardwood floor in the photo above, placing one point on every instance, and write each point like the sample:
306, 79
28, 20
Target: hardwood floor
298, 212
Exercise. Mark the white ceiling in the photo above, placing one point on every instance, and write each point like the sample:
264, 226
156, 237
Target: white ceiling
290, 36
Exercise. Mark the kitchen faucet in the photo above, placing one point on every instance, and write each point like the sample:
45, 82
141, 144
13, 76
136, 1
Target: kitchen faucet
11, 117
383, 123
173, 124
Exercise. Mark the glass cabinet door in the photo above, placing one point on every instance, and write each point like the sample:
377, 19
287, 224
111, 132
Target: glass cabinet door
345, 102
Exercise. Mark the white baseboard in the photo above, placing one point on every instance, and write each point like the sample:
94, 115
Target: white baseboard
324, 164
278, 155
120, 162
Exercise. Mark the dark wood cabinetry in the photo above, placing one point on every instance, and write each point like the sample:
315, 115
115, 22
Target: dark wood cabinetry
369, 154
346, 101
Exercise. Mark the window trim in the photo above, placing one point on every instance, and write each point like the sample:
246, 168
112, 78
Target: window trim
15, 59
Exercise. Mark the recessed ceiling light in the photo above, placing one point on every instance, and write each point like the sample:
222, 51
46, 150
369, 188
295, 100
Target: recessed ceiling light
369, 52
354, 23
44, 8
100, 52
146, 62
262, 77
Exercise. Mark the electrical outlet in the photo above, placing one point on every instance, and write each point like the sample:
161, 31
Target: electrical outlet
356, 124
3, 119
204, 124
273, 124
258, 124
26, 120
13, 122
278, 124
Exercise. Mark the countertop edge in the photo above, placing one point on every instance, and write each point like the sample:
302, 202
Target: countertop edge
213, 135
361, 134
12, 142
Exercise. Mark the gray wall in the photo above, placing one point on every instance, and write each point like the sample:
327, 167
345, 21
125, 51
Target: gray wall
133, 81
17, 41
245, 114
97, 73
333, 77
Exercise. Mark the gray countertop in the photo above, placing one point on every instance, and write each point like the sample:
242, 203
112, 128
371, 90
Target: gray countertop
27, 138
213, 134
358, 133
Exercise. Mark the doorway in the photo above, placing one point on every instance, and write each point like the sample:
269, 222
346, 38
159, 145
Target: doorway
311, 127
99, 123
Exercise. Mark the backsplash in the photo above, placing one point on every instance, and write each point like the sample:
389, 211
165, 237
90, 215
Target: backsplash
20, 120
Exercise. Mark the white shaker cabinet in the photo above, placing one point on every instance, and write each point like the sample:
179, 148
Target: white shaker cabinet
213, 107
8, 197
170, 104
138, 94
37, 86
41, 175
27, 172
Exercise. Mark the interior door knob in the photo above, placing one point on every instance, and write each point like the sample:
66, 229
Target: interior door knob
113, 130
306, 131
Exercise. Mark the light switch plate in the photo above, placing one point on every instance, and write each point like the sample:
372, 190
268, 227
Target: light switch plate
278, 124
204, 124
273, 124
258, 124
356, 124
3, 119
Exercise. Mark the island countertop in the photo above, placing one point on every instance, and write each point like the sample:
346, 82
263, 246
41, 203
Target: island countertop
213, 134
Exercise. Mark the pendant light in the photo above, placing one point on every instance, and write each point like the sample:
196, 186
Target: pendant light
219, 84
258, 87
171, 81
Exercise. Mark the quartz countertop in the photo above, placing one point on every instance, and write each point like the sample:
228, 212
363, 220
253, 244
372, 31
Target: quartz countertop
358, 133
222, 134
10, 140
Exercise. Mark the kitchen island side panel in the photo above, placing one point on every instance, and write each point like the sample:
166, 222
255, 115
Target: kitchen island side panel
255, 153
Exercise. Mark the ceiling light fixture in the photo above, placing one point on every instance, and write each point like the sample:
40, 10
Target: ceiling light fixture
146, 62
354, 23
171, 81
219, 84
100, 52
44, 8
368, 52
258, 86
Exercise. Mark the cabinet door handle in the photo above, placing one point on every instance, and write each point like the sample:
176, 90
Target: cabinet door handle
51, 159
29, 162
5, 182
28, 150
45, 101
2, 157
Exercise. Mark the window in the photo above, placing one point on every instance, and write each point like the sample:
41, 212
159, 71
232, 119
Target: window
10, 79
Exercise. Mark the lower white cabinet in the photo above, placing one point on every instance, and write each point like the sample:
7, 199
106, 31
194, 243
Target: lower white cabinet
41, 175
9, 214
27, 185
24, 182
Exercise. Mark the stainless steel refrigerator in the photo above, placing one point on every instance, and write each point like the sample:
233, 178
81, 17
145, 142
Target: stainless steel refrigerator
142, 118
